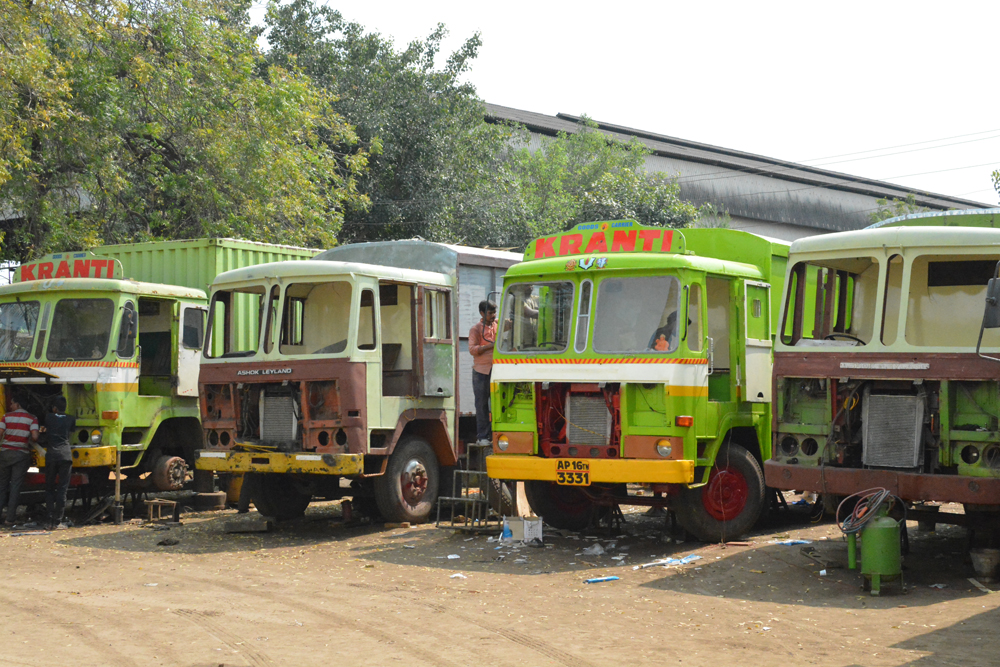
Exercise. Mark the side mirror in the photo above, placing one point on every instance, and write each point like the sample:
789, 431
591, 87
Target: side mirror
991, 314
126, 332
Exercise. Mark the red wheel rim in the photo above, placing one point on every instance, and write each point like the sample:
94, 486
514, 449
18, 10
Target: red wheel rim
725, 495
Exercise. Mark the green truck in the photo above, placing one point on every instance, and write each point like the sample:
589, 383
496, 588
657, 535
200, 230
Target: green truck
635, 355
884, 373
118, 331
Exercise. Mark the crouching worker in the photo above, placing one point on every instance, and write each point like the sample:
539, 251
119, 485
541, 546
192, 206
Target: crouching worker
58, 461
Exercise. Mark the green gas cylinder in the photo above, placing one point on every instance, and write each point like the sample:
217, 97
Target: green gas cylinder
881, 558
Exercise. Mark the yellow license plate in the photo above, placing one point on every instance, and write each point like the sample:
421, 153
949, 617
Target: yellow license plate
572, 472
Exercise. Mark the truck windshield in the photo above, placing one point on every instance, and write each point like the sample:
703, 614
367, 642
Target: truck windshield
234, 322
17, 329
637, 314
81, 329
315, 318
536, 317
831, 303
945, 301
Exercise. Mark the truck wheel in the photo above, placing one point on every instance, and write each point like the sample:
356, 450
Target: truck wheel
280, 497
408, 489
565, 507
169, 473
729, 505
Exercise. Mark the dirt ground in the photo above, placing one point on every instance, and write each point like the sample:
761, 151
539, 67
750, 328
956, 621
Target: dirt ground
319, 592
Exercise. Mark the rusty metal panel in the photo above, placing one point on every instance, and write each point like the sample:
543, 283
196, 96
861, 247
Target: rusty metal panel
884, 366
908, 486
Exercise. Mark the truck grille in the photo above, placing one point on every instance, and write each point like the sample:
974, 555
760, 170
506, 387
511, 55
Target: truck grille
892, 430
277, 418
588, 420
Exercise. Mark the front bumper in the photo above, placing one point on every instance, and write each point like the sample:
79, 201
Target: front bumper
606, 471
94, 456
278, 462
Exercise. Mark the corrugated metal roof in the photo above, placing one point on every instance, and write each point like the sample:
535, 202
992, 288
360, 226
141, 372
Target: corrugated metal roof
736, 161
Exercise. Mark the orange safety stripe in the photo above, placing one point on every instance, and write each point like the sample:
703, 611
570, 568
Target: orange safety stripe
71, 364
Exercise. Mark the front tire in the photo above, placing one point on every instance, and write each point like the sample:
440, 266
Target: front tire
409, 488
280, 497
563, 507
730, 503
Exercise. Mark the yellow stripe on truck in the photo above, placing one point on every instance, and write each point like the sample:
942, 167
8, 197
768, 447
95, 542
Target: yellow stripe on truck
608, 471
305, 462
687, 390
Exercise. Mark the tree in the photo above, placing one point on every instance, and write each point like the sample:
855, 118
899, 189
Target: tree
153, 119
893, 208
423, 126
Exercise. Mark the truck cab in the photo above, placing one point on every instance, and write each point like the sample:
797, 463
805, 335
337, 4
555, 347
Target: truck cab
637, 355
124, 354
348, 369
879, 380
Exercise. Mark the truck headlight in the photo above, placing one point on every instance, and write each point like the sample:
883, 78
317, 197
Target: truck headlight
503, 443
664, 448
95, 436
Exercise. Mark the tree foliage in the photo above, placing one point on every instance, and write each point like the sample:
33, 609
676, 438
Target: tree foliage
893, 208
440, 171
423, 125
151, 119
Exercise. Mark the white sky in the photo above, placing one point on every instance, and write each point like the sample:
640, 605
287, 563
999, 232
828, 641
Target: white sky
798, 81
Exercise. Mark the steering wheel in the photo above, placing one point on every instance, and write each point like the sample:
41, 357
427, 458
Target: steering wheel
839, 334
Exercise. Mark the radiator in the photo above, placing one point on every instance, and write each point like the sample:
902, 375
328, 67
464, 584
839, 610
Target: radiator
277, 418
893, 426
589, 420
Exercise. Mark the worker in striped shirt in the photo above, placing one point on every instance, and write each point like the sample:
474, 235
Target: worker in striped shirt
18, 430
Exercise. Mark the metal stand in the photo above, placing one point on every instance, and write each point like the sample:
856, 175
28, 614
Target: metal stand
117, 511
471, 496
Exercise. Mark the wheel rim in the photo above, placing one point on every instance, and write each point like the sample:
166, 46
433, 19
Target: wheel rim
413, 482
725, 496
176, 473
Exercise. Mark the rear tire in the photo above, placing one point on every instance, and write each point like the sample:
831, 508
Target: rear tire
564, 507
280, 497
409, 488
730, 504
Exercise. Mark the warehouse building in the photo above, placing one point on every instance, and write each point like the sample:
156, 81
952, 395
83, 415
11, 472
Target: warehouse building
763, 195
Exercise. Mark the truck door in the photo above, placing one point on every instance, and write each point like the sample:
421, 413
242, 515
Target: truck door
720, 338
435, 345
189, 332
757, 366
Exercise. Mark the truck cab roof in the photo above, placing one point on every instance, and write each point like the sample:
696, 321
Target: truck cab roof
316, 270
36, 287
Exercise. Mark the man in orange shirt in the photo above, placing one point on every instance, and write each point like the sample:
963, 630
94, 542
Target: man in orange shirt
482, 338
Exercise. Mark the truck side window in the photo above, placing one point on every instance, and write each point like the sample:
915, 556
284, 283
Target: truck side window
436, 315
583, 316
127, 331
366, 321
890, 304
270, 318
194, 328
694, 318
